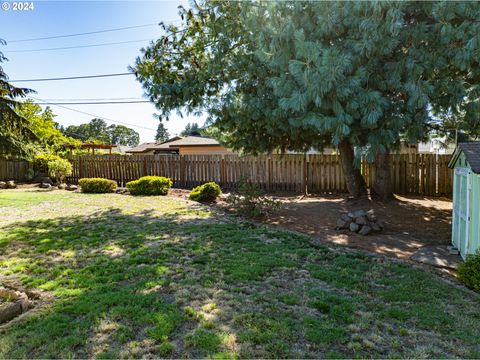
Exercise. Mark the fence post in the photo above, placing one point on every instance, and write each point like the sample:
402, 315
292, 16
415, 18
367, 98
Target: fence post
305, 175
182, 170
80, 167
144, 170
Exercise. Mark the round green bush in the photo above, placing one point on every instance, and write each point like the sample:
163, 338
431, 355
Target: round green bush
97, 185
40, 162
469, 272
59, 169
150, 185
206, 192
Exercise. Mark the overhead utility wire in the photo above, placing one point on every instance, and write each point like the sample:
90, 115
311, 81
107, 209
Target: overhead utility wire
95, 102
84, 33
76, 47
73, 77
96, 116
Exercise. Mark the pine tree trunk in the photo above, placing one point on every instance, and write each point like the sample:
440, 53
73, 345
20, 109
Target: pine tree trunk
382, 188
355, 182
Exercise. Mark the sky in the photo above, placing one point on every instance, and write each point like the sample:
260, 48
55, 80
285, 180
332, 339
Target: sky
54, 18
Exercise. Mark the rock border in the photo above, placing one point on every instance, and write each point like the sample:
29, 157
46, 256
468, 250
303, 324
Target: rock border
12, 309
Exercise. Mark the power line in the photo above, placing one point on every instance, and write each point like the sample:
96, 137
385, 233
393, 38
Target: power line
73, 77
95, 102
77, 47
96, 116
84, 33
101, 99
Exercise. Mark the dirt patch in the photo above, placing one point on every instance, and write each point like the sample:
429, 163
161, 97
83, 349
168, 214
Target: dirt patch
410, 222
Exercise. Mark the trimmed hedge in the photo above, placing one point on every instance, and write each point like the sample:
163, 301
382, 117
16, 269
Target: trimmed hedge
97, 185
150, 185
205, 193
469, 272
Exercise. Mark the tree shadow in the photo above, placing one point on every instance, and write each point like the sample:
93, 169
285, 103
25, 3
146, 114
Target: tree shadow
410, 222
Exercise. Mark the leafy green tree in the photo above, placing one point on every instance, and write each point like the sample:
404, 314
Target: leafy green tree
122, 135
162, 133
41, 122
190, 128
15, 131
291, 75
98, 131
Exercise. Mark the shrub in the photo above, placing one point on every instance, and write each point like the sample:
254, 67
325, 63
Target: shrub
150, 185
97, 185
58, 169
469, 272
206, 192
248, 200
29, 174
40, 162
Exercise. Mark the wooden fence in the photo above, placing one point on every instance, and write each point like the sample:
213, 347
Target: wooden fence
421, 174
13, 169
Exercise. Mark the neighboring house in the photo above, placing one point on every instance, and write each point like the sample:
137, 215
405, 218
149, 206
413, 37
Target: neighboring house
196, 145
466, 198
436, 146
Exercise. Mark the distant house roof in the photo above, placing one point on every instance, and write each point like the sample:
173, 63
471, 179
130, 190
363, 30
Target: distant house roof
194, 141
175, 143
142, 147
472, 154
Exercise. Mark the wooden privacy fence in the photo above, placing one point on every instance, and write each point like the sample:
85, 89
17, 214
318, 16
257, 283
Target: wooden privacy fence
421, 174
13, 169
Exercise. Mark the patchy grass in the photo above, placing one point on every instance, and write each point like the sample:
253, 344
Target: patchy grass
160, 277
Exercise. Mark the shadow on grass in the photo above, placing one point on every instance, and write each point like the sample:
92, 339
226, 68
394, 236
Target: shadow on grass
186, 285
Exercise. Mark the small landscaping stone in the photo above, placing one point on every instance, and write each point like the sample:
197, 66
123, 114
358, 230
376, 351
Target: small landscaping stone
11, 184
361, 220
354, 227
71, 187
3, 185
359, 213
342, 224
45, 185
365, 230
62, 186
46, 180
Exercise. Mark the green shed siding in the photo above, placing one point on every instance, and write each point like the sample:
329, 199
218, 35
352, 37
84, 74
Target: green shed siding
466, 200
474, 240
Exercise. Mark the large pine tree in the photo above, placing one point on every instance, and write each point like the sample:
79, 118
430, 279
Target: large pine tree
292, 75
15, 132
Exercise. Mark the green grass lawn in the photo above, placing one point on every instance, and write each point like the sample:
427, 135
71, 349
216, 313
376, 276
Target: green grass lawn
160, 277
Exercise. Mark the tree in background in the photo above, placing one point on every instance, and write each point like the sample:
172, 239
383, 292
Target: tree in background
49, 137
291, 75
98, 131
122, 135
162, 133
191, 129
15, 131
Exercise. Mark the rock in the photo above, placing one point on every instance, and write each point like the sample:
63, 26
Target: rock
350, 215
343, 224
375, 227
121, 190
3, 185
354, 227
11, 184
359, 213
62, 186
365, 230
361, 220
345, 217
71, 187
371, 216
380, 224
46, 180
45, 185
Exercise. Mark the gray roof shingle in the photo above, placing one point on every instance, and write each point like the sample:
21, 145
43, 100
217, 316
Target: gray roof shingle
472, 153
